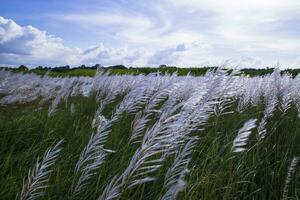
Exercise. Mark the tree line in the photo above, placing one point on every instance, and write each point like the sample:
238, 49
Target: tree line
122, 69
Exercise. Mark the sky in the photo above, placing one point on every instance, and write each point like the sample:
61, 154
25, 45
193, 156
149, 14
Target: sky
236, 33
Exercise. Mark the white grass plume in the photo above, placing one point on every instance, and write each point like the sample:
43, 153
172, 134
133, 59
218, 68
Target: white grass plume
243, 135
268, 113
87, 172
94, 153
159, 140
174, 178
38, 176
95, 143
290, 174
142, 164
92, 156
112, 190
139, 125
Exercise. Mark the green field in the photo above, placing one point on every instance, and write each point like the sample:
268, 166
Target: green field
215, 171
194, 71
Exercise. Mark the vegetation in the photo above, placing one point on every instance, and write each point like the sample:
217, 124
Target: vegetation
217, 136
121, 69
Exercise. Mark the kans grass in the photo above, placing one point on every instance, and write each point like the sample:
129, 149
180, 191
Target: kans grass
217, 136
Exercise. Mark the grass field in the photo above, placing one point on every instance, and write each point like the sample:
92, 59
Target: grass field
193, 71
189, 133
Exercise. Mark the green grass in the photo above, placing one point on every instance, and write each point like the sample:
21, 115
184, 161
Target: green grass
26, 131
75, 72
194, 71
132, 71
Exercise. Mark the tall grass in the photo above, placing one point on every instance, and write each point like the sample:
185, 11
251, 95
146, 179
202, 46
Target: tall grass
134, 137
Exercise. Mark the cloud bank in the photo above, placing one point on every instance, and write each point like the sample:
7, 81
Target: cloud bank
29, 45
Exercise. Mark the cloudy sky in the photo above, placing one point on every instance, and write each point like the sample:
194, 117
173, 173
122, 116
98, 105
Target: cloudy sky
245, 33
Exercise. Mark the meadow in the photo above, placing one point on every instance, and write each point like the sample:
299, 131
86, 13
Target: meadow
219, 135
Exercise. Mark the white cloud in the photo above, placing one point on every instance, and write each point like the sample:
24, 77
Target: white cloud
29, 45
111, 56
168, 55
230, 6
248, 33
297, 62
100, 19
243, 29
8, 30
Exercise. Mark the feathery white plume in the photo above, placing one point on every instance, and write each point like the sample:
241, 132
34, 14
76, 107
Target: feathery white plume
174, 178
290, 174
38, 176
242, 137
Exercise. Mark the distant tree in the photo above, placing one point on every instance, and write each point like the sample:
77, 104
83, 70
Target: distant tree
41, 68
97, 66
61, 68
163, 66
117, 67
4, 68
23, 67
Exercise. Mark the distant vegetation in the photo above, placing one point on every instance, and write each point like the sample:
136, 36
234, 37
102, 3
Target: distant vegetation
84, 70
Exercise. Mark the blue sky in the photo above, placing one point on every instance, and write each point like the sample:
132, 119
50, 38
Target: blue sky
249, 33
